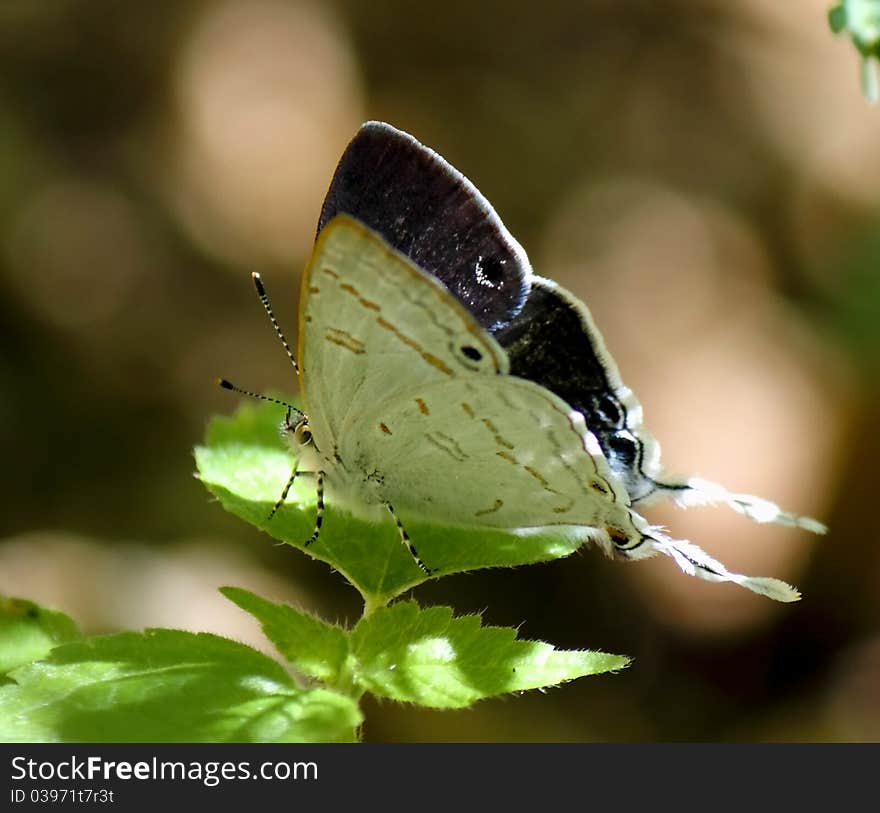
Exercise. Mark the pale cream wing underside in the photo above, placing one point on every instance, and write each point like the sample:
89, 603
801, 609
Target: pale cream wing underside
491, 451
371, 325
411, 397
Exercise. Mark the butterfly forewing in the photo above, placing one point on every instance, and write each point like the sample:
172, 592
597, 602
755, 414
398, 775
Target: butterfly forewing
426, 209
372, 325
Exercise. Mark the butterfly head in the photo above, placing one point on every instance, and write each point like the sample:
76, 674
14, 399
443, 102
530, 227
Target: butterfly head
296, 431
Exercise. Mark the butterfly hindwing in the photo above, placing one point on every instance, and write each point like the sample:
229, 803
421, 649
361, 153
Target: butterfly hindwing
496, 451
554, 342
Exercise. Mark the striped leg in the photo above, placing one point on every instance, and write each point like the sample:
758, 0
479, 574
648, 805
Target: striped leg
280, 501
319, 516
404, 537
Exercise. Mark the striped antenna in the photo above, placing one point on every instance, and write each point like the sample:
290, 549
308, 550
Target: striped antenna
264, 298
228, 385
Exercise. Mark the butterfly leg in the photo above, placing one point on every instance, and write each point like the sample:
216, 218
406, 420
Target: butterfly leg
404, 537
280, 501
319, 515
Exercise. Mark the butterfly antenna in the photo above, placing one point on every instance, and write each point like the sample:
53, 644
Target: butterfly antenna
228, 385
264, 298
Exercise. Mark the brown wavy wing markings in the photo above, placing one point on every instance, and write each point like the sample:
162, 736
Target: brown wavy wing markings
452, 466
373, 299
600, 484
343, 338
448, 445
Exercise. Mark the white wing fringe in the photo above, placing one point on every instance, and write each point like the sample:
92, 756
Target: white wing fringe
705, 492
696, 562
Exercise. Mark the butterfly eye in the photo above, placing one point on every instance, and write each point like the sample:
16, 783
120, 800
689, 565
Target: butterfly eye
302, 434
471, 352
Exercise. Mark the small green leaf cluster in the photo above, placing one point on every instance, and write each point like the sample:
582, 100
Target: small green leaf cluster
171, 686
861, 20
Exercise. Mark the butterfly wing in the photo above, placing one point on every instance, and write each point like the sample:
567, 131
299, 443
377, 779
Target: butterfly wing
371, 325
413, 400
503, 452
431, 213
554, 342
426, 209
491, 451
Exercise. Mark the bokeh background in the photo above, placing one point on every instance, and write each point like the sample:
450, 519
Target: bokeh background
704, 173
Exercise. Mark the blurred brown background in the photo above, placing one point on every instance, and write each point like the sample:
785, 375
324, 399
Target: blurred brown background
705, 174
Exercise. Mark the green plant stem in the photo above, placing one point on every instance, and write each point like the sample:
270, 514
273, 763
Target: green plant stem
373, 603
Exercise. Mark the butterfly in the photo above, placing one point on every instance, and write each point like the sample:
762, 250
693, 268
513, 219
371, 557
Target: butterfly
443, 379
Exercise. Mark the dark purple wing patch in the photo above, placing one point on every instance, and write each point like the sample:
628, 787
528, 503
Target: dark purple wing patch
430, 212
549, 342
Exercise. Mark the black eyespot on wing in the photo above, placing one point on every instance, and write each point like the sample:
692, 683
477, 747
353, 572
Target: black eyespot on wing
609, 410
623, 449
472, 353
490, 271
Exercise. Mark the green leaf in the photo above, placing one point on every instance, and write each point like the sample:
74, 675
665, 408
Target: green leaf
252, 425
855, 297
837, 18
167, 686
429, 657
861, 20
246, 467
28, 632
314, 647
